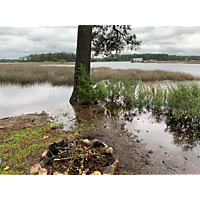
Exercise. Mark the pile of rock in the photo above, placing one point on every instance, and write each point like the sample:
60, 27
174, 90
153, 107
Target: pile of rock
76, 156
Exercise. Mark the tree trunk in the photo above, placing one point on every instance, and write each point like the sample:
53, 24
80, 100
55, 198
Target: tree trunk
83, 56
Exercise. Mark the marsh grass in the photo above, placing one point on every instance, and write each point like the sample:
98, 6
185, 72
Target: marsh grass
180, 101
30, 73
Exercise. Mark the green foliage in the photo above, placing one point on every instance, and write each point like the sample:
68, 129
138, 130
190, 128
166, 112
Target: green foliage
112, 89
109, 38
69, 57
89, 93
129, 86
62, 61
55, 60
18, 146
146, 56
184, 101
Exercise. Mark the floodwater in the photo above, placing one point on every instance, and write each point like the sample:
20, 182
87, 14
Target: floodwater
173, 152
16, 100
193, 69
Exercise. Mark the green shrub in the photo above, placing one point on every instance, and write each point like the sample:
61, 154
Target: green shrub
62, 61
55, 60
184, 101
89, 93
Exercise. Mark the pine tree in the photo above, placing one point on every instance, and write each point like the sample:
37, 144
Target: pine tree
102, 39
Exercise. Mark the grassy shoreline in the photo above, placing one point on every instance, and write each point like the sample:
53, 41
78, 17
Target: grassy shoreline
20, 147
33, 73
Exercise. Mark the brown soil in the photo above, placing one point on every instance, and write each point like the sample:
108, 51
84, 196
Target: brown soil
132, 156
22, 121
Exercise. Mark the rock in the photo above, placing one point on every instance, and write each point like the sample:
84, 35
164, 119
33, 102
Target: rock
109, 170
113, 162
0, 161
2, 127
52, 148
58, 173
86, 142
43, 171
150, 151
35, 168
96, 173
108, 151
44, 153
88, 136
61, 143
45, 161
97, 143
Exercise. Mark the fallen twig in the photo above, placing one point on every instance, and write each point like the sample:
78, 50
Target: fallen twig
72, 119
81, 156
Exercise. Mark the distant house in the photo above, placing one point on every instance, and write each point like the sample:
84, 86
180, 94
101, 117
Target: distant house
137, 60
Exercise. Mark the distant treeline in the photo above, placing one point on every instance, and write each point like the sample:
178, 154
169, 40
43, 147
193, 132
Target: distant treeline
147, 56
54, 57
71, 57
50, 57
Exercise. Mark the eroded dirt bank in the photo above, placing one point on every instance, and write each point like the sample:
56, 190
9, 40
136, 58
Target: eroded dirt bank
22, 121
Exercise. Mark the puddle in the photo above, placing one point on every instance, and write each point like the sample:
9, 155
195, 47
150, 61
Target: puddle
172, 151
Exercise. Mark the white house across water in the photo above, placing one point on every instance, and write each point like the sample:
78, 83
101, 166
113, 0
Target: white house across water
137, 60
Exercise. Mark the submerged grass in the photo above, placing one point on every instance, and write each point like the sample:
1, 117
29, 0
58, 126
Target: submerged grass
180, 101
30, 73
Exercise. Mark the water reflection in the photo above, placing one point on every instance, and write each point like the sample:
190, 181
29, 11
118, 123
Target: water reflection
185, 133
175, 144
15, 99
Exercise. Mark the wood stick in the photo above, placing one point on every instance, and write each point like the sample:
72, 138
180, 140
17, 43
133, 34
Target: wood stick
69, 158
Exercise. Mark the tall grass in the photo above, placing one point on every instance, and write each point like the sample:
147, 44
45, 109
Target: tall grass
32, 73
29, 74
181, 102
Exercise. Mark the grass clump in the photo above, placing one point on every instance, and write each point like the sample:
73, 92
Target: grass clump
184, 101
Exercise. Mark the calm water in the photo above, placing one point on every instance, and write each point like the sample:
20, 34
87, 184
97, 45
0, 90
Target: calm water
173, 152
187, 68
168, 146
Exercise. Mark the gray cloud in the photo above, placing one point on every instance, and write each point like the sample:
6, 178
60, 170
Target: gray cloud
20, 41
171, 40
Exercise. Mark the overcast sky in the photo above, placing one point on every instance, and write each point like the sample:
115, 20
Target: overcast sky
19, 41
